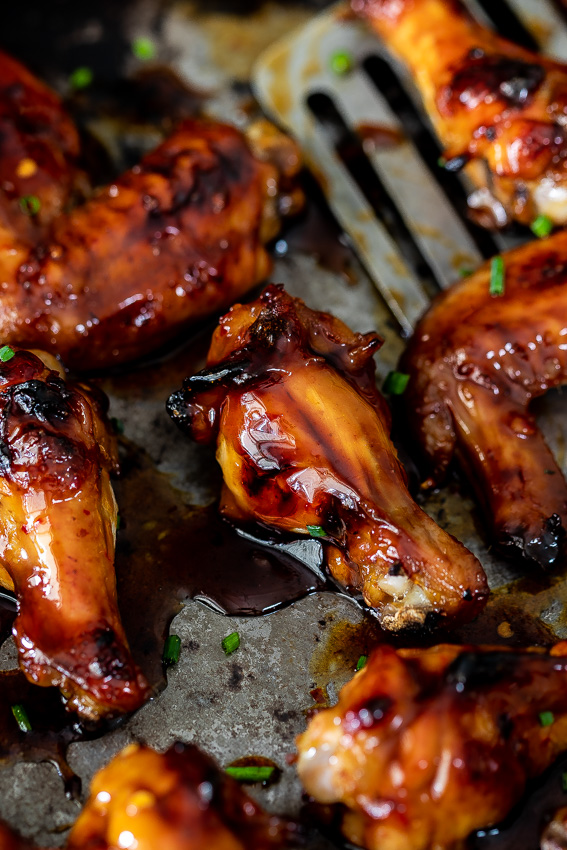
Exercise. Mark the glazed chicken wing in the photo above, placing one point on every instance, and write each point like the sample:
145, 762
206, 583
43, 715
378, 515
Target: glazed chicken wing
476, 361
497, 108
427, 745
175, 801
302, 437
57, 528
175, 239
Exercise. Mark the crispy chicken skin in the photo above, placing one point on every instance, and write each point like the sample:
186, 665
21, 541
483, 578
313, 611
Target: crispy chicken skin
175, 239
57, 528
493, 104
302, 437
427, 745
476, 361
39, 147
175, 801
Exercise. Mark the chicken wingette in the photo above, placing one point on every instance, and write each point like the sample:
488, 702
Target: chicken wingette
427, 745
476, 361
302, 435
177, 800
499, 110
57, 530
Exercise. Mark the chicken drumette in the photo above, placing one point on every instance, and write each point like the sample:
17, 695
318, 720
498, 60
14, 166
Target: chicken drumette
499, 109
302, 436
476, 361
57, 528
179, 801
427, 745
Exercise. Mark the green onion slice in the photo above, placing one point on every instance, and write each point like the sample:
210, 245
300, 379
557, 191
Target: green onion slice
341, 62
6, 353
546, 718
564, 782
230, 643
497, 275
30, 204
541, 226
250, 773
21, 717
144, 49
396, 383
316, 531
171, 650
361, 662
81, 78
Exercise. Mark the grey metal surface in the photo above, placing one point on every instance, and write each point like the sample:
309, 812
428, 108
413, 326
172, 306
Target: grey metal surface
254, 701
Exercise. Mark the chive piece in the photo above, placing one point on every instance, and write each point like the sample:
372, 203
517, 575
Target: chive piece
144, 49
21, 717
497, 276
395, 383
251, 773
361, 662
316, 531
30, 204
441, 162
117, 424
230, 643
541, 226
341, 62
546, 718
81, 78
118, 522
6, 353
465, 271
564, 782
171, 650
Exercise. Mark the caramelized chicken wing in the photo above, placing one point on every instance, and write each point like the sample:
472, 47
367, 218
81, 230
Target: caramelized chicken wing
497, 108
302, 437
476, 361
175, 239
427, 745
39, 147
57, 529
10, 841
554, 836
175, 801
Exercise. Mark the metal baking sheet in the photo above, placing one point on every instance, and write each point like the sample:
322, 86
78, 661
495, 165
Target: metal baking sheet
256, 700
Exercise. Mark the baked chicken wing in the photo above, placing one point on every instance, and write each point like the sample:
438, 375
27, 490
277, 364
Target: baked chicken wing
175, 239
302, 437
498, 109
179, 801
57, 529
427, 745
476, 361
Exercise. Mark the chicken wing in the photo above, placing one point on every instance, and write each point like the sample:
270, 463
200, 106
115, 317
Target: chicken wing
555, 834
476, 361
302, 437
39, 146
179, 801
57, 528
175, 239
498, 109
427, 745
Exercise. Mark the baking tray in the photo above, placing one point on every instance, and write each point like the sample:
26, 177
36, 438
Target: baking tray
256, 701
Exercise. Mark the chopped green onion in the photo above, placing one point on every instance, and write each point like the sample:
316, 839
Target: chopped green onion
395, 383
30, 204
465, 271
361, 662
546, 718
21, 717
117, 424
6, 353
341, 62
231, 643
497, 276
564, 782
441, 162
541, 226
118, 522
81, 78
251, 773
171, 650
144, 49
316, 531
